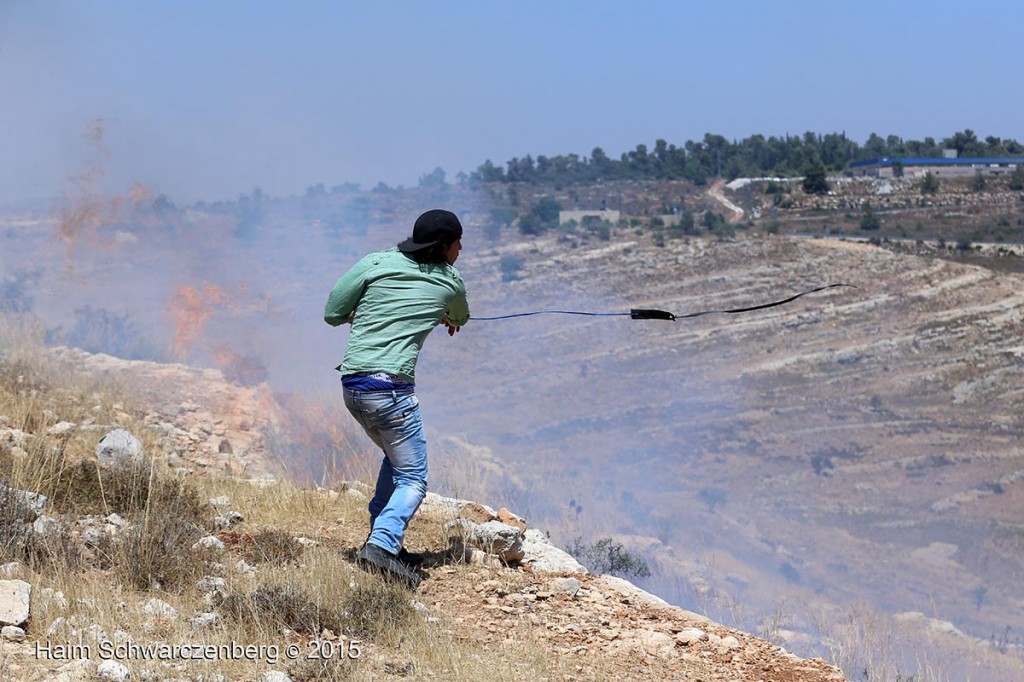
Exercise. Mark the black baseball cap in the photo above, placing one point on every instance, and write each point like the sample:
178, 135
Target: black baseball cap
436, 226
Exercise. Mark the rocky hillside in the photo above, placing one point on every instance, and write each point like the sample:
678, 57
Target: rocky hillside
861, 446
499, 598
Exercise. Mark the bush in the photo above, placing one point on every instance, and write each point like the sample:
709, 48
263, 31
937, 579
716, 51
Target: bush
157, 550
608, 556
375, 607
283, 606
541, 218
510, 265
271, 546
98, 330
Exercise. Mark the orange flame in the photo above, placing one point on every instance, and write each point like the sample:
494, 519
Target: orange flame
245, 369
190, 308
86, 210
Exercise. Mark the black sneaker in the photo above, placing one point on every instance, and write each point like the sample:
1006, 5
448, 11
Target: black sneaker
411, 558
376, 559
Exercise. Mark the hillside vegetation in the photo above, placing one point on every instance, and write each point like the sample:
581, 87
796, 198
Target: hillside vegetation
222, 577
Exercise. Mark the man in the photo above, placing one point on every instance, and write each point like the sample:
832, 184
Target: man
393, 299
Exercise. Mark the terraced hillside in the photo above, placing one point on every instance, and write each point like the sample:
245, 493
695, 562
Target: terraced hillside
859, 446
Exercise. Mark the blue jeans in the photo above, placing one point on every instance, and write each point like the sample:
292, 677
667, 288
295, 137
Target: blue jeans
392, 420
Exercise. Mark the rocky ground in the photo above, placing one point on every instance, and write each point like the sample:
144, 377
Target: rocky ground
859, 445
500, 597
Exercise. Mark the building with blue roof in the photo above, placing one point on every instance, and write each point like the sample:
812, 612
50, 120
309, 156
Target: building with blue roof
915, 166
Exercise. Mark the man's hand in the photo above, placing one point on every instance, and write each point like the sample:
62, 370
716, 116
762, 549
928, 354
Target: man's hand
451, 327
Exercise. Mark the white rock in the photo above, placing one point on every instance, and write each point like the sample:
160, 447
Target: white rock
220, 501
116, 520
542, 556
15, 596
274, 676
228, 519
243, 567
211, 583
12, 633
118, 448
204, 620
657, 643
46, 526
306, 542
112, 671
209, 542
160, 608
569, 586
688, 636
57, 627
729, 643
61, 428
500, 539
27, 504
94, 537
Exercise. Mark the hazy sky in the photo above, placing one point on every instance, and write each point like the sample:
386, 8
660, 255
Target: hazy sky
203, 100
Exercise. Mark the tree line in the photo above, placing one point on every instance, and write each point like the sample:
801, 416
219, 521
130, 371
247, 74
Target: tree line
715, 156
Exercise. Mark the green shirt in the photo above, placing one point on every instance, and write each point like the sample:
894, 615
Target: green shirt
397, 302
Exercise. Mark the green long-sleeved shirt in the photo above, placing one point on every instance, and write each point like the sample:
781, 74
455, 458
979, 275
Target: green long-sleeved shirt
397, 302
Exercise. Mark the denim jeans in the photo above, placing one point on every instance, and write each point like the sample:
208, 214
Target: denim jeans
392, 420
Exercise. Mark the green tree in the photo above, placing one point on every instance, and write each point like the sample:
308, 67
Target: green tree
435, 179
815, 178
897, 168
868, 220
608, 556
929, 183
510, 265
542, 217
547, 210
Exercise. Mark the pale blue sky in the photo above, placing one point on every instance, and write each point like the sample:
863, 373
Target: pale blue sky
204, 100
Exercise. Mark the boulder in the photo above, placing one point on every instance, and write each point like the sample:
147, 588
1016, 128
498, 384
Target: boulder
160, 609
569, 586
15, 596
118, 448
112, 671
500, 539
507, 517
688, 636
46, 527
477, 513
209, 542
542, 556
27, 505
61, 429
228, 519
12, 633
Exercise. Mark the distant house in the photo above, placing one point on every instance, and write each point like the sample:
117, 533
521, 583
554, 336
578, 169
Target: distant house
914, 166
578, 216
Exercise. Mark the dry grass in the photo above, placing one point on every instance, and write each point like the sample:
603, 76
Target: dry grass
277, 591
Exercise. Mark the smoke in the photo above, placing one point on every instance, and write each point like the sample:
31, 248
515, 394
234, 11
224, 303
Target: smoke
189, 308
668, 436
